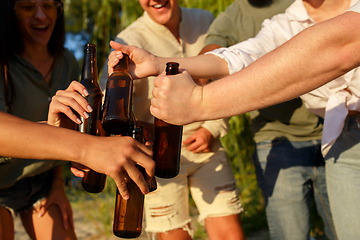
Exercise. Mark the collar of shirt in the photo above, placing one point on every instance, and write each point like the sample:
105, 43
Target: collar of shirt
298, 12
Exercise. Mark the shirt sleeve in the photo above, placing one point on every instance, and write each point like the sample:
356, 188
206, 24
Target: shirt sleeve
221, 31
244, 53
217, 128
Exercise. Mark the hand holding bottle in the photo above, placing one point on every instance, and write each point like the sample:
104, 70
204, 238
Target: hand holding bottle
177, 99
119, 154
64, 101
143, 63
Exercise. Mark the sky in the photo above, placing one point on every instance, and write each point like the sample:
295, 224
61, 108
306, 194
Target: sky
75, 43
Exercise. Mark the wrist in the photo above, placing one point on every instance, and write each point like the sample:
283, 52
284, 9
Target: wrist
198, 103
160, 63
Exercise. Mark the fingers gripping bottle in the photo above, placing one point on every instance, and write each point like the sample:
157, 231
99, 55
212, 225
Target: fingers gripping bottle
167, 144
118, 99
128, 216
93, 181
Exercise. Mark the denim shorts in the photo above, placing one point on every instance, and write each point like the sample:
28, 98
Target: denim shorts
26, 192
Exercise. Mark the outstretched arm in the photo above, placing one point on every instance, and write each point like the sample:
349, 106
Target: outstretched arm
24, 139
145, 64
312, 58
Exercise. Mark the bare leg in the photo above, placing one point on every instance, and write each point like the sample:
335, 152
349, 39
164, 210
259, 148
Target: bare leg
6, 225
49, 226
227, 227
176, 234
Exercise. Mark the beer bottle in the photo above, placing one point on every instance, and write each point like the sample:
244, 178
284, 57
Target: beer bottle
128, 216
167, 144
118, 99
92, 182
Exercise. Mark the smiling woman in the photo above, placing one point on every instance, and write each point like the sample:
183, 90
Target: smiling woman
34, 65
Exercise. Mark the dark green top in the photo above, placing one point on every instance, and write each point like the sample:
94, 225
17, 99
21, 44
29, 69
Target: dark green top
33, 95
290, 120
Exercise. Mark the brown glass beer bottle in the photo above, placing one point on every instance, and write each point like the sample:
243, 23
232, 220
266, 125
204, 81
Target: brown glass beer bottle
92, 182
118, 99
128, 215
167, 144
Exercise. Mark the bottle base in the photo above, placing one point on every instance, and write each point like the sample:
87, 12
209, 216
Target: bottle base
127, 234
91, 189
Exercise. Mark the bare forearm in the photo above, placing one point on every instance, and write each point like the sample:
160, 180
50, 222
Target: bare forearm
311, 59
201, 66
145, 64
24, 139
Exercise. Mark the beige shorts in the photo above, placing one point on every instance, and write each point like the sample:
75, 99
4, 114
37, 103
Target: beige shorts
212, 186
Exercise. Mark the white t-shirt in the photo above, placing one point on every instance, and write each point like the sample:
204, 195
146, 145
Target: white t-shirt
331, 101
356, 7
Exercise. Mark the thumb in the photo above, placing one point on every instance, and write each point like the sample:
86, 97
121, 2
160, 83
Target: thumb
120, 47
42, 209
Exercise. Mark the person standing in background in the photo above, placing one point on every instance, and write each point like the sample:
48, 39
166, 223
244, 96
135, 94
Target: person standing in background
318, 62
288, 161
167, 30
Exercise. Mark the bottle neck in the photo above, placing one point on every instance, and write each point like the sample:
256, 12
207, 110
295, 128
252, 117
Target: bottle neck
89, 70
172, 68
123, 64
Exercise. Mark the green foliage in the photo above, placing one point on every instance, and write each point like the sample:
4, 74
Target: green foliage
239, 145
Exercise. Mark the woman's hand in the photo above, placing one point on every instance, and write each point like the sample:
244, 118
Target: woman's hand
69, 102
119, 157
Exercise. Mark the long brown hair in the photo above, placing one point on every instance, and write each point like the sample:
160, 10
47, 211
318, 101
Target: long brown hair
11, 42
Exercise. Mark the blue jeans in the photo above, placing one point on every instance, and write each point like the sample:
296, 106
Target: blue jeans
343, 180
289, 173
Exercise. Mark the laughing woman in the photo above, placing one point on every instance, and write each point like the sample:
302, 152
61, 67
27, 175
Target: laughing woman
34, 65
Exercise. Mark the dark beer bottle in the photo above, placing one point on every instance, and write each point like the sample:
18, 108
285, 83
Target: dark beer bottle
118, 99
92, 182
167, 144
129, 213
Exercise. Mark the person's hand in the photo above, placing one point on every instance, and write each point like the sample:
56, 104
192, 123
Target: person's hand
57, 196
176, 98
142, 64
116, 157
65, 101
78, 169
200, 142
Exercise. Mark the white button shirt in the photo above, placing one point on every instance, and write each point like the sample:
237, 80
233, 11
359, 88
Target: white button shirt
331, 101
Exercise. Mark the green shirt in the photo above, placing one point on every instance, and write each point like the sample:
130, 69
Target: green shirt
290, 120
32, 97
